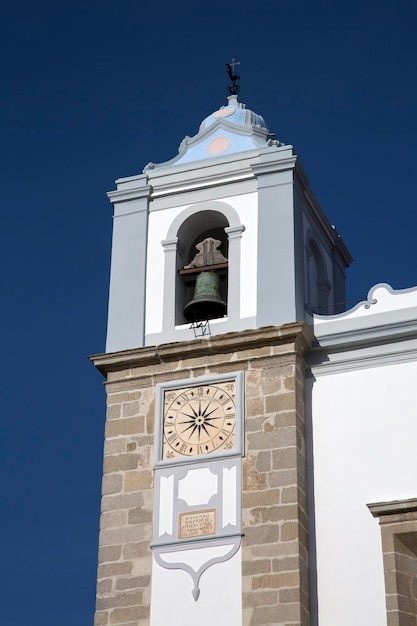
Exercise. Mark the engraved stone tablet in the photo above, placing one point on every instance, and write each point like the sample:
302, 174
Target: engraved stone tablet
197, 524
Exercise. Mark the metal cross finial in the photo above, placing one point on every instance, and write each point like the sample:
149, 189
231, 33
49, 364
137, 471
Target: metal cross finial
233, 88
233, 63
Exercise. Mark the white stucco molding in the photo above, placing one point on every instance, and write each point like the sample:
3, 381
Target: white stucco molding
378, 331
217, 172
221, 207
381, 298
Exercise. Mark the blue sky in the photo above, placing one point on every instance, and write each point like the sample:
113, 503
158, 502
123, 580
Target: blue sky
92, 91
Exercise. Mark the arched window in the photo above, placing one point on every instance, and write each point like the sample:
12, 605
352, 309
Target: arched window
318, 285
194, 230
214, 219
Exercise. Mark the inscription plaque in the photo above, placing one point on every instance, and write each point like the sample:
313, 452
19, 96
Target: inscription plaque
197, 523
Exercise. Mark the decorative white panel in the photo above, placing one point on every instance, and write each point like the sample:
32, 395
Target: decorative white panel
197, 487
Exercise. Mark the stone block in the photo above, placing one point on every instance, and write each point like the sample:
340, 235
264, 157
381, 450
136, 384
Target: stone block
285, 564
250, 517
136, 549
126, 534
119, 374
273, 379
261, 598
285, 458
263, 461
101, 618
129, 409
256, 424
150, 418
255, 407
290, 531
122, 615
247, 616
142, 565
274, 615
253, 384
282, 478
125, 426
276, 581
288, 596
280, 402
278, 513
128, 384
289, 494
136, 481
133, 582
104, 586
277, 438
113, 519
289, 548
284, 419
112, 483
115, 600
114, 446
261, 534
260, 498
252, 479
127, 396
114, 412
139, 515
105, 570
109, 553
257, 566
121, 501
120, 462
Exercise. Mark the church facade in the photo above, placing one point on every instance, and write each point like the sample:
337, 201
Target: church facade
256, 433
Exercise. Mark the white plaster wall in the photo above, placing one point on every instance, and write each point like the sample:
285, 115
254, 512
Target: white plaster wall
364, 443
158, 226
220, 600
247, 208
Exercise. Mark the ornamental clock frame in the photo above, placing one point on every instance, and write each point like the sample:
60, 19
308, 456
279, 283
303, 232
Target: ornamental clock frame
199, 418
198, 473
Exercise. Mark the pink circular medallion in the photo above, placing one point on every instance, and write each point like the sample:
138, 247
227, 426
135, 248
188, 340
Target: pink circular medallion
218, 145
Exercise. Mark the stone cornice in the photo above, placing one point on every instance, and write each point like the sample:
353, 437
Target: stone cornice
396, 507
297, 335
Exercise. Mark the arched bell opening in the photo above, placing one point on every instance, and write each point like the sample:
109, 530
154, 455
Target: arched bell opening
318, 284
202, 267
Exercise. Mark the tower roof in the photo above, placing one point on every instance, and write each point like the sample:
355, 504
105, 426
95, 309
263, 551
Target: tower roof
232, 128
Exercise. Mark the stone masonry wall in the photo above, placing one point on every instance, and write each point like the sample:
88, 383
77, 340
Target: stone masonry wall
275, 568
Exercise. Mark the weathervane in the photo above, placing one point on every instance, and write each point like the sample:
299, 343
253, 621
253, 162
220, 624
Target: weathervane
233, 88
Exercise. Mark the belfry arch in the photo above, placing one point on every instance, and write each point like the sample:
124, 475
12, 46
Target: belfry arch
210, 219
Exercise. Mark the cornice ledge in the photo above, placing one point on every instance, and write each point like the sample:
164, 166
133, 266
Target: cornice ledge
275, 165
124, 195
297, 333
395, 507
381, 334
206, 180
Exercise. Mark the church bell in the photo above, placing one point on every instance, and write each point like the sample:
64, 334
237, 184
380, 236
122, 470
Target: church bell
207, 303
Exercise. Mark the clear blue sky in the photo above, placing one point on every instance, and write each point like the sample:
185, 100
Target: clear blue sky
92, 91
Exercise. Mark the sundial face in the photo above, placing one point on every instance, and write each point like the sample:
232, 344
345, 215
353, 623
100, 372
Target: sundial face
199, 420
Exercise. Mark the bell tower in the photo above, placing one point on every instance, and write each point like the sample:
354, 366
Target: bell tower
204, 510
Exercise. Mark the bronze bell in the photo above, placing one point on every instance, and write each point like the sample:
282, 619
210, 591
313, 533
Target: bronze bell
207, 303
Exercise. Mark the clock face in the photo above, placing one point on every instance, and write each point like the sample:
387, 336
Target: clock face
199, 420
